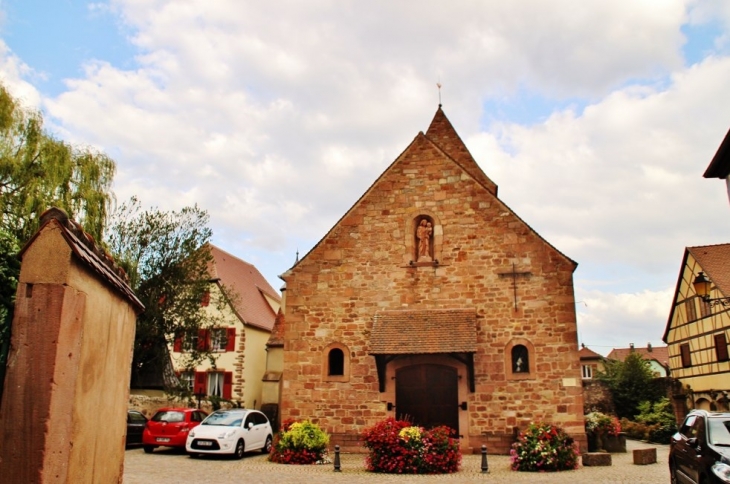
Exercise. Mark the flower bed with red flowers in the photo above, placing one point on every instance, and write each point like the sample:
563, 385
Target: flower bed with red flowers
544, 448
398, 447
299, 443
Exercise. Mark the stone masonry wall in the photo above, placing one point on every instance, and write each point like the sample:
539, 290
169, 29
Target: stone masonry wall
362, 267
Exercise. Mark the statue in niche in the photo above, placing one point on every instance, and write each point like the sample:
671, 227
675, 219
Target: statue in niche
423, 234
520, 361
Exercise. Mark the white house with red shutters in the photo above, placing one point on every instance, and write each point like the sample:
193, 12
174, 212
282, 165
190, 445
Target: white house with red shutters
239, 344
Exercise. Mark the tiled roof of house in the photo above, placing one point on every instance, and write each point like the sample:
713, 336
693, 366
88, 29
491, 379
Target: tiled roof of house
658, 353
277, 333
715, 262
251, 287
424, 331
586, 353
88, 253
719, 167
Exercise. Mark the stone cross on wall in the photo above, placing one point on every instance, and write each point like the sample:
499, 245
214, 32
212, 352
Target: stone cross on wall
514, 274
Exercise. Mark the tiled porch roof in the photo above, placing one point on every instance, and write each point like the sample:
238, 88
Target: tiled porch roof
424, 331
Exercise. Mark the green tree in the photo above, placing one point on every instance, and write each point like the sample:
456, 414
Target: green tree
630, 383
9, 271
38, 171
165, 256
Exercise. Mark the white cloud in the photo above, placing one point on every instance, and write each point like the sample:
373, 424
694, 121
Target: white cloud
277, 116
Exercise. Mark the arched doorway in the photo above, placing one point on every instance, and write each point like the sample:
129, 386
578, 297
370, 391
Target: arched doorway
428, 395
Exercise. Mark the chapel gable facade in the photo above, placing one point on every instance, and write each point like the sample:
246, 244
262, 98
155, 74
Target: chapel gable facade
430, 300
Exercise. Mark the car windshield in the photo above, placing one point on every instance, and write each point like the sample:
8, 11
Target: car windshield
167, 416
225, 418
720, 431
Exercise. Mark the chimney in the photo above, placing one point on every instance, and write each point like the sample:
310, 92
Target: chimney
648, 347
631, 347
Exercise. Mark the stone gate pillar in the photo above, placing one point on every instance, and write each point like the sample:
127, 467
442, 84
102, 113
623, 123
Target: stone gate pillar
63, 411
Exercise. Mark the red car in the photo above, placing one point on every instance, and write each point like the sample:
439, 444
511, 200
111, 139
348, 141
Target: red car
169, 427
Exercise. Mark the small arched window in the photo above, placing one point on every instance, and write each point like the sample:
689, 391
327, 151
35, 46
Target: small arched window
520, 359
336, 362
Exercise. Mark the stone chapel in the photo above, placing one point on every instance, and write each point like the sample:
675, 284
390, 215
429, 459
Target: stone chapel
430, 300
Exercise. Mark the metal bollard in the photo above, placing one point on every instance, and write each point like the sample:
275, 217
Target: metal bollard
485, 466
337, 459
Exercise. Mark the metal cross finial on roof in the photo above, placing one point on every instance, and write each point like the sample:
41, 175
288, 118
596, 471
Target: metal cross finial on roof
438, 84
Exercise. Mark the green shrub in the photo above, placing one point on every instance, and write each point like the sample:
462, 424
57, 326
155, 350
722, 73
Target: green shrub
544, 448
655, 422
300, 443
398, 447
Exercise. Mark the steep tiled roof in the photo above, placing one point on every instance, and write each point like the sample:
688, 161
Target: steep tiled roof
719, 167
658, 353
250, 286
424, 331
586, 353
715, 262
442, 132
88, 253
277, 334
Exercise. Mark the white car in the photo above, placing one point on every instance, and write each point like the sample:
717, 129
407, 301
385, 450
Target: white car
234, 431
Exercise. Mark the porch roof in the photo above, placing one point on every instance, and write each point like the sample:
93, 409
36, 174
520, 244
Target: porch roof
424, 332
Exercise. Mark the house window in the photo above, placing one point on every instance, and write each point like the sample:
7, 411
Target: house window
520, 359
218, 339
191, 341
205, 300
686, 357
187, 378
721, 347
689, 306
587, 372
705, 309
336, 362
215, 384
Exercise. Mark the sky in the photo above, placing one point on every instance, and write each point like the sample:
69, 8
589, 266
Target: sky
596, 119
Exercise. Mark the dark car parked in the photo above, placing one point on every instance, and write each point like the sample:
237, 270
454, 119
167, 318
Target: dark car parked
700, 452
135, 426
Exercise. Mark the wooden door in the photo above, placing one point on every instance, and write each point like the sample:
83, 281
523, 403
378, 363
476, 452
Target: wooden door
428, 396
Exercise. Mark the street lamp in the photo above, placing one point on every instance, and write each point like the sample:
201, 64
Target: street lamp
703, 286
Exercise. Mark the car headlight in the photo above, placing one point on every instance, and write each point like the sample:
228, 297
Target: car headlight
192, 433
722, 471
227, 434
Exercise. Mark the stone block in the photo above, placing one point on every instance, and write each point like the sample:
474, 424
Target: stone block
594, 459
645, 456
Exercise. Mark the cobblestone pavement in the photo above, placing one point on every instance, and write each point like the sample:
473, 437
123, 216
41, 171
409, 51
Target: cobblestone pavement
168, 466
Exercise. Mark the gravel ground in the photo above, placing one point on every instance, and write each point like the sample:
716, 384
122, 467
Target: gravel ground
168, 466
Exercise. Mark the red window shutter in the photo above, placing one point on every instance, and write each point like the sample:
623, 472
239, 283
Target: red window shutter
227, 384
206, 299
203, 343
231, 339
201, 380
177, 345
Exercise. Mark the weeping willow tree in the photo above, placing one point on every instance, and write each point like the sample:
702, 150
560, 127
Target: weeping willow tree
38, 171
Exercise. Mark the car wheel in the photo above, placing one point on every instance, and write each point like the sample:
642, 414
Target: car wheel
240, 450
266, 449
148, 449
